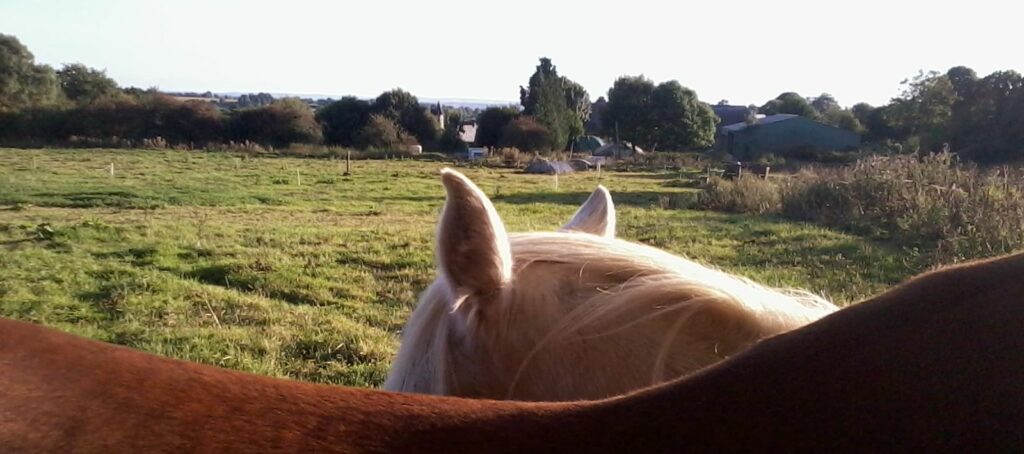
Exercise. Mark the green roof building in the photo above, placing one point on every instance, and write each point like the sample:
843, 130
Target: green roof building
778, 134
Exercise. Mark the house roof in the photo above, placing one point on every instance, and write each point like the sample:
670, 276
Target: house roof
467, 131
761, 121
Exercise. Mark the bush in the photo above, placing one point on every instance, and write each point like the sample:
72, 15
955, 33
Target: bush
381, 133
526, 134
124, 121
33, 126
279, 124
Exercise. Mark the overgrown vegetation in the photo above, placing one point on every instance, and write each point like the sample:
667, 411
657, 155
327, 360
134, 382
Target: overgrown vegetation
930, 204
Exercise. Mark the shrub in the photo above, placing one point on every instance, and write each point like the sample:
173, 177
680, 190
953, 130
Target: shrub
279, 124
33, 126
526, 134
381, 133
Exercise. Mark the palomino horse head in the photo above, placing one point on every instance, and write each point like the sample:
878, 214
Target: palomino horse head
574, 314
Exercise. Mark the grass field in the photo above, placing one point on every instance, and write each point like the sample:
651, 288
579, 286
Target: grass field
231, 261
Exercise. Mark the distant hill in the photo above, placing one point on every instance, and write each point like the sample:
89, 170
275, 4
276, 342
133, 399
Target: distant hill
452, 102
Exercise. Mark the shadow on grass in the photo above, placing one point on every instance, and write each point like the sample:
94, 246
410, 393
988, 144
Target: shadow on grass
625, 198
240, 279
651, 175
93, 199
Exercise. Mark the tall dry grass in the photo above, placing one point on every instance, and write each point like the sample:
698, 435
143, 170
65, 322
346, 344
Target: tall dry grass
932, 204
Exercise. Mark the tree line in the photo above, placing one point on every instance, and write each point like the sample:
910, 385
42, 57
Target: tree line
556, 110
982, 118
40, 105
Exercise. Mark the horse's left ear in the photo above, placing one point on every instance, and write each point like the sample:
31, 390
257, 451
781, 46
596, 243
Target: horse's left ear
473, 250
596, 216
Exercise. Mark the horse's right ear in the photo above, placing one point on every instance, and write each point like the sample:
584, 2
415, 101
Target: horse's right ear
472, 246
596, 216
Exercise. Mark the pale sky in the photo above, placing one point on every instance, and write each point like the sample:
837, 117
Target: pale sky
744, 51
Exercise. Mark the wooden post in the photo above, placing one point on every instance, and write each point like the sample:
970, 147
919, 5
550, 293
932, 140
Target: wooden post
556, 180
598, 170
111, 170
298, 177
348, 163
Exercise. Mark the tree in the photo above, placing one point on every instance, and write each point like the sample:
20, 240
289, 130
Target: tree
925, 108
279, 124
491, 122
629, 111
986, 114
667, 115
84, 85
421, 124
342, 119
862, 111
255, 100
865, 115
843, 119
559, 110
451, 140
789, 103
881, 124
681, 121
824, 103
963, 80
578, 101
22, 82
382, 133
598, 113
405, 110
526, 134
393, 103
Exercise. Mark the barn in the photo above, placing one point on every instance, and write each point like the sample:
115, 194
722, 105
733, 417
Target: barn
778, 134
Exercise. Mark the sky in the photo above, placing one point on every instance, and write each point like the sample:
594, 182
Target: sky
746, 52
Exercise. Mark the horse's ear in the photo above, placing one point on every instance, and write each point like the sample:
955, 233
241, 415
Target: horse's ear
596, 216
472, 246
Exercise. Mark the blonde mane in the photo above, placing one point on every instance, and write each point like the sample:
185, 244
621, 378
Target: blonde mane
585, 316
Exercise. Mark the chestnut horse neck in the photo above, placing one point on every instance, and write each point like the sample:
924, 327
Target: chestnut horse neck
934, 363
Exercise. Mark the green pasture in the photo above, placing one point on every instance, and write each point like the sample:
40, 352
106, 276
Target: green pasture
287, 267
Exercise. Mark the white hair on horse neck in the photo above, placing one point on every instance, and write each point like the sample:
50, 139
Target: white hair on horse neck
575, 314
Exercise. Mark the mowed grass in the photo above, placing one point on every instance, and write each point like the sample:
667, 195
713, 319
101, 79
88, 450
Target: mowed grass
236, 262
